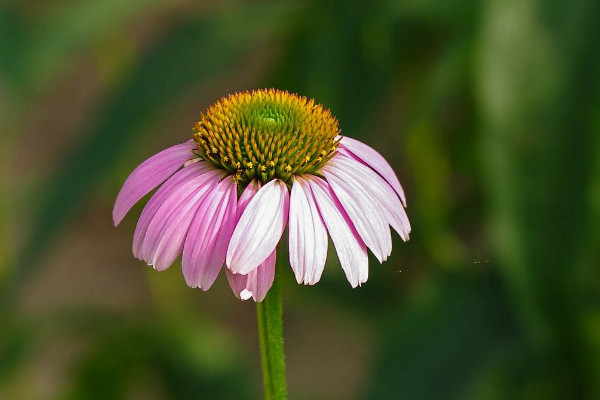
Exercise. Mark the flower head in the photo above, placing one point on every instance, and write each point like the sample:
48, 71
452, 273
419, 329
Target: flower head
260, 161
266, 135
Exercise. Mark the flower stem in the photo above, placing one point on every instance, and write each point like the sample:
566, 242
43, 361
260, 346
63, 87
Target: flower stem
269, 313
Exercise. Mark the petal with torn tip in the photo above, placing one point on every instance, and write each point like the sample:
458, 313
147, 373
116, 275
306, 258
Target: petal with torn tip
256, 283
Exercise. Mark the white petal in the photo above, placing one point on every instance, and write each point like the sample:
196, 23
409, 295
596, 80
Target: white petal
390, 205
373, 159
259, 229
363, 209
351, 250
307, 235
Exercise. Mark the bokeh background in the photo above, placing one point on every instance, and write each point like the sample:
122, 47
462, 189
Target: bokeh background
489, 111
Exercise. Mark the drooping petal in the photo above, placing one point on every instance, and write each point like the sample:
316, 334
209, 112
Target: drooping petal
237, 282
149, 175
260, 279
180, 178
307, 235
245, 198
256, 283
182, 198
260, 227
389, 204
350, 249
362, 209
206, 243
170, 240
373, 159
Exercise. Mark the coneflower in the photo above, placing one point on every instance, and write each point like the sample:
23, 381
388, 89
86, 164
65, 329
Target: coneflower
284, 155
257, 162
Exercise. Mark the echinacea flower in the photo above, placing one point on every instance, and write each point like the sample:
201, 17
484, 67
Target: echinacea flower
260, 161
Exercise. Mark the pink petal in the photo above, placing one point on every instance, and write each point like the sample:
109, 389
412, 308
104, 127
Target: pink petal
362, 209
373, 159
307, 235
181, 199
180, 178
245, 198
351, 250
260, 227
256, 283
170, 240
149, 175
237, 282
207, 239
380, 191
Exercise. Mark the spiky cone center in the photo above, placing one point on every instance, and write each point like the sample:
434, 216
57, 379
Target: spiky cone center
266, 134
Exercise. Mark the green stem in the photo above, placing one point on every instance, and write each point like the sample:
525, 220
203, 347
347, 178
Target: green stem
269, 313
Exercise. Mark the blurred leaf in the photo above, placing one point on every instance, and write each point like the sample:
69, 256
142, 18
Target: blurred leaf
322, 60
14, 37
126, 357
540, 97
114, 355
436, 345
432, 193
40, 49
461, 14
15, 342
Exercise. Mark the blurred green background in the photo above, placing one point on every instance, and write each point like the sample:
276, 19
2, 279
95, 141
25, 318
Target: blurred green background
489, 111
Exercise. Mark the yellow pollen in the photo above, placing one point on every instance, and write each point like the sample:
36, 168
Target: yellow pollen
269, 129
